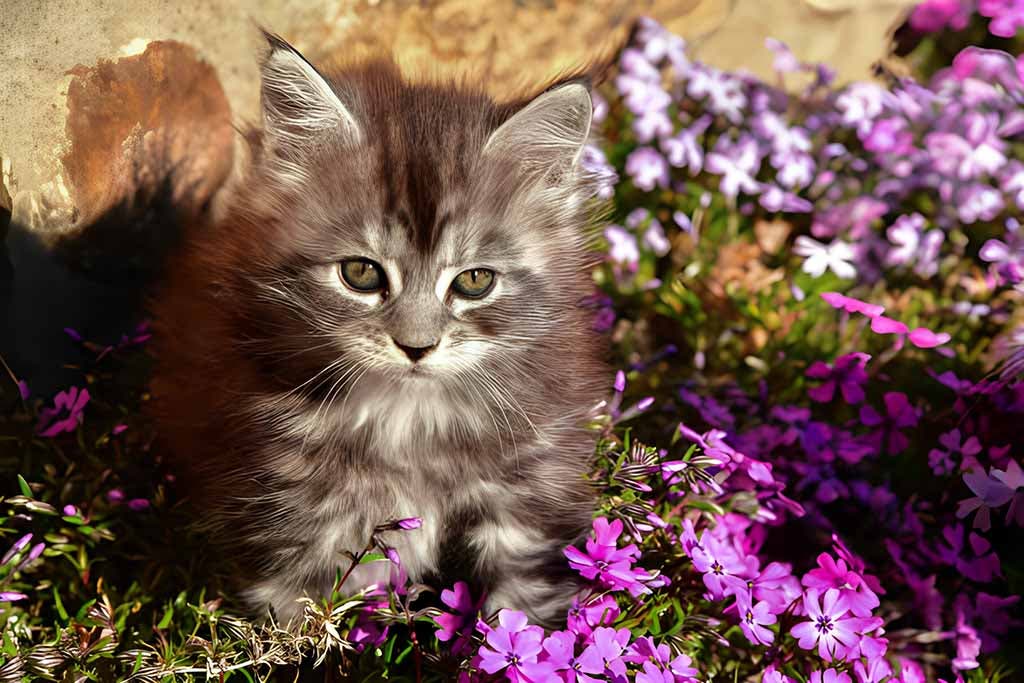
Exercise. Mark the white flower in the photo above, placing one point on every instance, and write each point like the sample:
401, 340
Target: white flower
836, 257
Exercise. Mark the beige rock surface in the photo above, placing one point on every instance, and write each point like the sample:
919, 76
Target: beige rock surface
507, 41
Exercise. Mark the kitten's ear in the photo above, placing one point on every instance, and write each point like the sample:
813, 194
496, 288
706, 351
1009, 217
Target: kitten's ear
547, 135
298, 104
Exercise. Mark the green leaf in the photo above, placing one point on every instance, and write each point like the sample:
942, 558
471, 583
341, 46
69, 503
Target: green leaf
26, 490
59, 605
165, 620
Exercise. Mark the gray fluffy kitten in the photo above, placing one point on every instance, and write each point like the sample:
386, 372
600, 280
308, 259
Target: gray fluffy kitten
387, 324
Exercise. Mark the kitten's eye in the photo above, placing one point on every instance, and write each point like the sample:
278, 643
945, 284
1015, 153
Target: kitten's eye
473, 283
362, 275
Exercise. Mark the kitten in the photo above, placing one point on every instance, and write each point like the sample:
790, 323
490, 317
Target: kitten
386, 324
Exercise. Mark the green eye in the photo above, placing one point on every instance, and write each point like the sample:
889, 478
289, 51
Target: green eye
473, 283
362, 275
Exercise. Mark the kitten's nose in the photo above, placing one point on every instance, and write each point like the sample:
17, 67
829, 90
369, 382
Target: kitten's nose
415, 352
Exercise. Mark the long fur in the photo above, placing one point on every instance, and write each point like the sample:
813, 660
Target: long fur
291, 417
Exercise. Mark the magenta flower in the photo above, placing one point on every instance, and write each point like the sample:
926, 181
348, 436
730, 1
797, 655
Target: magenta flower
851, 305
458, 624
829, 676
899, 414
71, 403
932, 16
1007, 16
514, 647
12, 596
604, 654
831, 628
718, 561
832, 573
586, 614
847, 373
560, 654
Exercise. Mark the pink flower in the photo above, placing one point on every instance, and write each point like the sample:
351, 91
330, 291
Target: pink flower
851, 305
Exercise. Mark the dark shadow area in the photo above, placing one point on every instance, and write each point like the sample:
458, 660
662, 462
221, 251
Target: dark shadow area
94, 282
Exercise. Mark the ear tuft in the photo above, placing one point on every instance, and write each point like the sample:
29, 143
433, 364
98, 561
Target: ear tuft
298, 103
546, 137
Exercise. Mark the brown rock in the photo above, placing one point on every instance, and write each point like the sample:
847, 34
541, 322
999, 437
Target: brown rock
133, 120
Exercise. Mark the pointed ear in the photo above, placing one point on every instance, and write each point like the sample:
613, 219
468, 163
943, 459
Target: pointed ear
298, 104
546, 137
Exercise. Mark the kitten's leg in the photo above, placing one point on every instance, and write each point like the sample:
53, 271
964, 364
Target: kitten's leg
281, 592
525, 570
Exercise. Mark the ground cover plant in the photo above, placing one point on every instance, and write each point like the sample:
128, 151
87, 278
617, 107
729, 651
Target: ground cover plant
810, 456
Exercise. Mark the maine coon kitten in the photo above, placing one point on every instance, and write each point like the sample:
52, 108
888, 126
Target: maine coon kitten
385, 325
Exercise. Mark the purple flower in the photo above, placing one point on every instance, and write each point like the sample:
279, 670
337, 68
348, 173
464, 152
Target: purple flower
978, 202
23, 390
889, 136
847, 373
941, 461
647, 168
831, 628
655, 240
513, 648
16, 548
860, 104
724, 92
974, 560
623, 247
755, 619
11, 596
912, 245
785, 61
683, 149
737, 165
73, 401
989, 491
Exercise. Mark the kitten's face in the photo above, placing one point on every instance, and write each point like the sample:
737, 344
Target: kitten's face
419, 244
